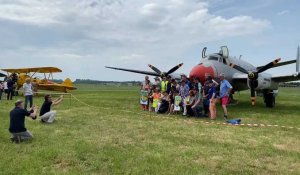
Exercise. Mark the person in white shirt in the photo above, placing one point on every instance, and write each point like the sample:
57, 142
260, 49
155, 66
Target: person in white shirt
5, 87
28, 93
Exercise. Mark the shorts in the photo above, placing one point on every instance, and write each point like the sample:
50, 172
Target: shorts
224, 100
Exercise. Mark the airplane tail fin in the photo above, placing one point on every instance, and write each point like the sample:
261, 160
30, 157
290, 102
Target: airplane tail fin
67, 82
298, 59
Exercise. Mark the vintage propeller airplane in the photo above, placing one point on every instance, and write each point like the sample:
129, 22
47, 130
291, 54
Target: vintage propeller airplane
20, 75
241, 74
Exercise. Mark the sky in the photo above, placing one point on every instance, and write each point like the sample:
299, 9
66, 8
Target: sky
82, 36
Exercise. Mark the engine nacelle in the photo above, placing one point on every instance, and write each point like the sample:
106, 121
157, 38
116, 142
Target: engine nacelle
263, 82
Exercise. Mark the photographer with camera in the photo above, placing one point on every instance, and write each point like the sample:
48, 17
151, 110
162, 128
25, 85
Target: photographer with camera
47, 116
17, 122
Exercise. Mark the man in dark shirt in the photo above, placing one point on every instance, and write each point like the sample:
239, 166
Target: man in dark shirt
47, 116
17, 122
10, 89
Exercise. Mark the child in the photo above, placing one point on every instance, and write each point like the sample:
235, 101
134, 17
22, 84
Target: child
156, 97
164, 104
212, 99
146, 87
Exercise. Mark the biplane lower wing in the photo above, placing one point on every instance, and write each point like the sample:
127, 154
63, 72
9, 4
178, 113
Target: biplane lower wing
56, 87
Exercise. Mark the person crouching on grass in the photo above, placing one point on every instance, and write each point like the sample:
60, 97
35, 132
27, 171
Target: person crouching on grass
17, 122
47, 116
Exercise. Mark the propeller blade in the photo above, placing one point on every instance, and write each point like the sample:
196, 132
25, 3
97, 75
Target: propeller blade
174, 68
238, 68
268, 66
155, 69
252, 90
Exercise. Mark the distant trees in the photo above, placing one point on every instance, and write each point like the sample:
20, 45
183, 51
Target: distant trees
108, 83
290, 84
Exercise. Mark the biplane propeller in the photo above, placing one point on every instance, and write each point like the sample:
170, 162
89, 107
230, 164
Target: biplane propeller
20, 75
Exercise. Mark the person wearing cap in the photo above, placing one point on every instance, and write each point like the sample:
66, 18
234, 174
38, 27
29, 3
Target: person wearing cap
46, 115
17, 122
28, 92
225, 89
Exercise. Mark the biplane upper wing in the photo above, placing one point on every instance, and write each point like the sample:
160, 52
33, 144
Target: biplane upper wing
34, 69
134, 71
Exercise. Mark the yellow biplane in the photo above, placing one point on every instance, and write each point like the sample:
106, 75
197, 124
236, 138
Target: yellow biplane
20, 75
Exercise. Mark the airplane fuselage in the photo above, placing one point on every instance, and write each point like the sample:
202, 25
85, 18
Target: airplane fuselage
215, 64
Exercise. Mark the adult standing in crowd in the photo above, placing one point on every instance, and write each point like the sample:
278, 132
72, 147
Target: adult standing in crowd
1, 89
184, 78
225, 89
156, 82
5, 86
212, 99
17, 122
10, 89
28, 92
145, 82
184, 93
164, 84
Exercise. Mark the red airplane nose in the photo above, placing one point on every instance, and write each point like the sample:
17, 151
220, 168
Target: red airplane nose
200, 71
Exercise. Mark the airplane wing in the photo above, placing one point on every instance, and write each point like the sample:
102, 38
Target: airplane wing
34, 69
56, 87
286, 78
240, 77
134, 71
2, 75
280, 64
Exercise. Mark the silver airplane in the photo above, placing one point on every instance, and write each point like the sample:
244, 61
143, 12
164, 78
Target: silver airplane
241, 74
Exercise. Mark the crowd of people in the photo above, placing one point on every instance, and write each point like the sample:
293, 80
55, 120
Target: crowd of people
17, 127
187, 96
8, 87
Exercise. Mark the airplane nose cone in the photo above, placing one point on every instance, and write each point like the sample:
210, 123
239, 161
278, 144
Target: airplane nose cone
200, 71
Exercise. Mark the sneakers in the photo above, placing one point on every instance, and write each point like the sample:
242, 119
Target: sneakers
16, 139
225, 117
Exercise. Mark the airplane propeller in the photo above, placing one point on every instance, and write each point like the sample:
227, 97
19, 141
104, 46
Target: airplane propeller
164, 74
253, 75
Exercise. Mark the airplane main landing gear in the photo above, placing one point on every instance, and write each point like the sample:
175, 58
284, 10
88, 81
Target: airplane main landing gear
269, 98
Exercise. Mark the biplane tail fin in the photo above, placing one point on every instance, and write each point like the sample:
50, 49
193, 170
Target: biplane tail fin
68, 82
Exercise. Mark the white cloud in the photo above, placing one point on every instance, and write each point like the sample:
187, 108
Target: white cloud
113, 32
284, 12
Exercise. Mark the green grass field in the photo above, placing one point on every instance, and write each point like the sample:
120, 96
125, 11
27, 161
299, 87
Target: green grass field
116, 137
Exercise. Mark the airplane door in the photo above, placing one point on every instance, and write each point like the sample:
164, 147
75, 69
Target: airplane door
225, 51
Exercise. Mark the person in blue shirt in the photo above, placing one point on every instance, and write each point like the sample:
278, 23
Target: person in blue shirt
225, 90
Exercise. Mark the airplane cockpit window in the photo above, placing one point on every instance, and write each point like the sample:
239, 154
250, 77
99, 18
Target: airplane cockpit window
213, 58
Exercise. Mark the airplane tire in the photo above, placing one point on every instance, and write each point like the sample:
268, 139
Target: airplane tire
269, 100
